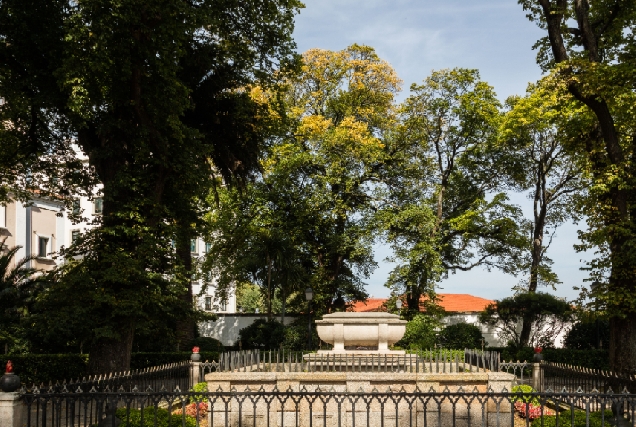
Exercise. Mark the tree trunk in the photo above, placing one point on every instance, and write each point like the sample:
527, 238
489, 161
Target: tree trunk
185, 325
111, 354
269, 287
623, 344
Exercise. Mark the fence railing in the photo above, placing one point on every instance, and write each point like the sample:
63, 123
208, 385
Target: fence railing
488, 360
556, 376
168, 377
440, 361
252, 408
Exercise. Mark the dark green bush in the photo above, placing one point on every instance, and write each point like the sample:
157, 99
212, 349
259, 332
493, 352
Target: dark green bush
43, 368
583, 335
152, 417
263, 334
207, 344
460, 336
565, 419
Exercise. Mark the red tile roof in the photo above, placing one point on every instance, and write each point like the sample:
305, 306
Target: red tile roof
451, 303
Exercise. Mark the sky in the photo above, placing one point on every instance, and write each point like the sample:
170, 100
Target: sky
418, 36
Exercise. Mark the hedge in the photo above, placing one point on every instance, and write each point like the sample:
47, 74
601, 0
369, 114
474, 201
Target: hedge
594, 359
45, 368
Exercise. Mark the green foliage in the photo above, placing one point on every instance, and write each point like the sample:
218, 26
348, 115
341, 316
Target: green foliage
460, 336
296, 335
19, 288
420, 333
585, 335
263, 334
546, 313
524, 391
439, 218
249, 298
158, 417
597, 419
43, 368
207, 345
201, 388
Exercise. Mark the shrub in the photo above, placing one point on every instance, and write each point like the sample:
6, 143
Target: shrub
583, 335
45, 368
207, 344
593, 359
200, 388
460, 336
524, 396
147, 360
420, 333
565, 419
263, 334
153, 417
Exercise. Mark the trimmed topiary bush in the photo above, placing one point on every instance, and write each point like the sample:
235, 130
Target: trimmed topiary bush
460, 336
263, 334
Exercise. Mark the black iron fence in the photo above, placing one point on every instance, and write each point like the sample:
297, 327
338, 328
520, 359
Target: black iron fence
167, 377
556, 376
252, 408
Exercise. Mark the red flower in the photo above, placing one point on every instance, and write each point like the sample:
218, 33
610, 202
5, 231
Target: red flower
538, 350
195, 349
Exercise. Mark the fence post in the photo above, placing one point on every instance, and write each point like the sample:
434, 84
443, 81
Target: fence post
195, 366
12, 410
536, 376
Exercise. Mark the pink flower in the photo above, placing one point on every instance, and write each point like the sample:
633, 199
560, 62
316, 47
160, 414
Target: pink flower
195, 349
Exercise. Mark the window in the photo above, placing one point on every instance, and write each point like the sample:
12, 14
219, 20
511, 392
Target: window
193, 245
43, 243
3, 216
75, 235
75, 207
208, 303
208, 246
223, 306
99, 205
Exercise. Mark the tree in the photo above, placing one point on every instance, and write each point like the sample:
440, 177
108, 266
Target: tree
153, 93
534, 135
588, 334
594, 62
548, 316
448, 215
19, 286
308, 220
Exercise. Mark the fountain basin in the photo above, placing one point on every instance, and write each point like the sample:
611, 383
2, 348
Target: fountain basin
349, 329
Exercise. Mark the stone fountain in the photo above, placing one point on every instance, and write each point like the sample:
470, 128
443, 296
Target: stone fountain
361, 332
360, 362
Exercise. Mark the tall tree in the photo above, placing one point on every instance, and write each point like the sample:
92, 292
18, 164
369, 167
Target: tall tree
595, 59
448, 122
535, 133
143, 86
322, 177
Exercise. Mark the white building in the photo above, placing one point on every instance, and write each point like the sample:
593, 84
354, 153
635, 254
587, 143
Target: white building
43, 227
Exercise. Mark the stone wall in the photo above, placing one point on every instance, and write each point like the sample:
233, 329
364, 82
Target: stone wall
350, 399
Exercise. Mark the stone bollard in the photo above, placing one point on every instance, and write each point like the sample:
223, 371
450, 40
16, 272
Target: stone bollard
195, 366
12, 409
